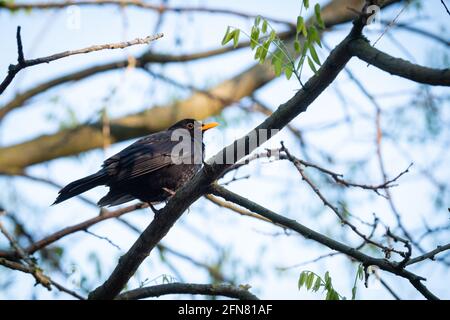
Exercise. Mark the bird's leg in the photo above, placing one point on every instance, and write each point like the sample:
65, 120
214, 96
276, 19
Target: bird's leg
155, 211
169, 191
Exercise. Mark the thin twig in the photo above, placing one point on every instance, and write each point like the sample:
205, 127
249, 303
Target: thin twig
38, 245
445, 6
343, 220
20, 267
429, 255
22, 63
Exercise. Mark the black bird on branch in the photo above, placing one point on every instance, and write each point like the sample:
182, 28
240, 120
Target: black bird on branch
151, 169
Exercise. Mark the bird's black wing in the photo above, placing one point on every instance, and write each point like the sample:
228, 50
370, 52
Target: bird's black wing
146, 155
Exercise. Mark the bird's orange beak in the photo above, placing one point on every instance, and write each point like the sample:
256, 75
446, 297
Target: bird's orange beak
210, 125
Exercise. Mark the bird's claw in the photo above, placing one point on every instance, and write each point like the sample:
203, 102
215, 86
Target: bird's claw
155, 211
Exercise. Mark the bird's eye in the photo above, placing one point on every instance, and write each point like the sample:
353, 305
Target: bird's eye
190, 126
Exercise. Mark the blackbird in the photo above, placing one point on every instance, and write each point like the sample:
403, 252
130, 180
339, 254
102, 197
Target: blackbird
151, 169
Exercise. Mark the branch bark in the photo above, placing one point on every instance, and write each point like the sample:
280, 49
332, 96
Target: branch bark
188, 288
396, 66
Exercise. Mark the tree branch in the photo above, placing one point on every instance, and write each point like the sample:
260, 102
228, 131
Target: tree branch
225, 290
405, 69
22, 63
133, 3
322, 239
26, 269
429, 255
38, 245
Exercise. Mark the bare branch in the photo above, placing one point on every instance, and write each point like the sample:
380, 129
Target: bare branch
420, 31
445, 6
77, 227
389, 289
405, 69
234, 208
342, 219
26, 269
22, 63
429, 255
225, 290
133, 3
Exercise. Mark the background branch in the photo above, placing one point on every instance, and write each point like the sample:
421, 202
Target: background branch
225, 290
22, 63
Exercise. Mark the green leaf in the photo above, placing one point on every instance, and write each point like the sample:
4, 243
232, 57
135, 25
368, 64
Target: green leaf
306, 3
334, 295
227, 37
264, 51
317, 284
310, 280
327, 274
257, 20
236, 37
258, 53
272, 35
314, 36
314, 55
300, 24
278, 66
288, 72
318, 16
297, 46
264, 26
303, 275
354, 293
254, 37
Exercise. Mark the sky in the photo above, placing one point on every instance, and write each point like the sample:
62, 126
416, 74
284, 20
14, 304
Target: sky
275, 184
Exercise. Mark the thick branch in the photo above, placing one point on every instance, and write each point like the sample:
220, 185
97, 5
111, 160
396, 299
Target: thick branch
188, 288
405, 69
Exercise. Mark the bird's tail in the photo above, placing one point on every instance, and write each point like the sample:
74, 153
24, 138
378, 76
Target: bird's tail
82, 185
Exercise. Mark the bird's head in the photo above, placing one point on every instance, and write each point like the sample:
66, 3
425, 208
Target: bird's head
191, 125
